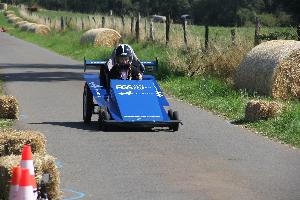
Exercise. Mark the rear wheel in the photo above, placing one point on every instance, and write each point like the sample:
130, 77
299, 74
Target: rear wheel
170, 114
88, 104
175, 127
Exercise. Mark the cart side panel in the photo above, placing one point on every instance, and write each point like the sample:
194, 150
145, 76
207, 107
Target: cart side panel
98, 90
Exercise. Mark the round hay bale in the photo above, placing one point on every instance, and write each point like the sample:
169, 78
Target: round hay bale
257, 110
42, 29
14, 19
18, 24
101, 37
12, 141
8, 12
27, 26
32, 27
271, 68
3, 6
10, 15
9, 107
43, 164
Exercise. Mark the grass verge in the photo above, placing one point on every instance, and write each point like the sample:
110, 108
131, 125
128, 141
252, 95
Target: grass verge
207, 92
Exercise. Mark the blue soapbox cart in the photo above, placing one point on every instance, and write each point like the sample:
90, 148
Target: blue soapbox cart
134, 103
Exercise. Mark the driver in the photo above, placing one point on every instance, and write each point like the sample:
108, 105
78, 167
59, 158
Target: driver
124, 64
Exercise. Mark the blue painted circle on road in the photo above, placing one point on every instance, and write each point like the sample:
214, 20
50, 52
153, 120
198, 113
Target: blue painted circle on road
77, 195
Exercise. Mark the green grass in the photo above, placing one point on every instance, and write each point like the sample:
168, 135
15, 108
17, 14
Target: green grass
207, 92
212, 94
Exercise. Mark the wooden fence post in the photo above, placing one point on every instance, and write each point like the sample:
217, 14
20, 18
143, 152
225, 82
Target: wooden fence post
233, 37
298, 32
257, 31
103, 22
94, 21
168, 24
49, 20
206, 37
113, 22
137, 27
146, 22
82, 24
184, 23
132, 25
112, 19
62, 25
123, 23
89, 21
66, 22
151, 31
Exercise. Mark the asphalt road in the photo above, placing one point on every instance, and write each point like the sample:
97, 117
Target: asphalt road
208, 158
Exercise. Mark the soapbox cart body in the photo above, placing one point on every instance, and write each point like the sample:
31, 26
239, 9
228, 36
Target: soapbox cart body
134, 103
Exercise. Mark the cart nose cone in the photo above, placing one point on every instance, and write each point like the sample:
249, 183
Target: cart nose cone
138, 100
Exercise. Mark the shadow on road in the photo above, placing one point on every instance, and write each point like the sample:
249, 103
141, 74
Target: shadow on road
41, 76
40, 66
93, 126
47, 73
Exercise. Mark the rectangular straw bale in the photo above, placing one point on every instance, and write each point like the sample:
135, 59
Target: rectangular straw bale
9, 107
259, 109
43, 164
12, 141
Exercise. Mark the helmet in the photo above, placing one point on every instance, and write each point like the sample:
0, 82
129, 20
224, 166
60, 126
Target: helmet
123, 54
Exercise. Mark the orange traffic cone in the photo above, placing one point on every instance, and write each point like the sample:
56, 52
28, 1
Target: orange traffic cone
25, 186
15, 180
27, 163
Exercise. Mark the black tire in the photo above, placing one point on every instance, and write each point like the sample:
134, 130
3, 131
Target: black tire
103, 115
170, 114
87, 104
175, 127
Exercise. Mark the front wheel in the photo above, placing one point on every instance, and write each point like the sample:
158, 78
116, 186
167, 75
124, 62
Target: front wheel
103, 115
88, 104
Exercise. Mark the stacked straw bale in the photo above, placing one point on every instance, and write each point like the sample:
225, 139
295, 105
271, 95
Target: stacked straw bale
43, 164
27, 26
257, 110
34, 28
101, 37
9, 107
272, 68
3, 6
11, 142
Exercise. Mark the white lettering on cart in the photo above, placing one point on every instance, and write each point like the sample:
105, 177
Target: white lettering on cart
131, 87
126, 93
158, 93
96, 87
93, 85
144, 116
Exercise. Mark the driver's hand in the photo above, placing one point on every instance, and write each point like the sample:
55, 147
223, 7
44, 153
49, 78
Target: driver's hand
140, 76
